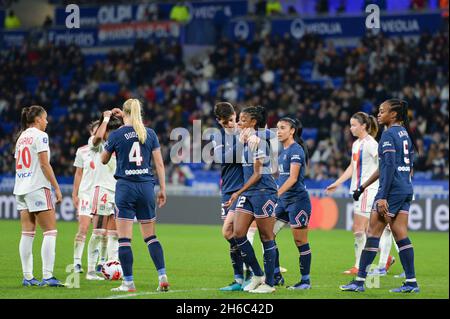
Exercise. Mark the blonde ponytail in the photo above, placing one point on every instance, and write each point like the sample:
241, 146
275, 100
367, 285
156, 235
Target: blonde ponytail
132, 108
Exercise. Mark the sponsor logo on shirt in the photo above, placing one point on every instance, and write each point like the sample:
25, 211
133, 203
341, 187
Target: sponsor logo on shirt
136, 171
386, 144
404, 169
24, 175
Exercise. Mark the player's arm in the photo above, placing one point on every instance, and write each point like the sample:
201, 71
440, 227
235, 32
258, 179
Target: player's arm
294, 171
76, 185
256, 176
345, 176
49, 174
161, 173
98, 137
105, 157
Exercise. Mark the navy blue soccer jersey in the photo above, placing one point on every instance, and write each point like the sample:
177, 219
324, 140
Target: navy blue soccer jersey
134, 160
395, 151
266, 183
293, 154
227, 154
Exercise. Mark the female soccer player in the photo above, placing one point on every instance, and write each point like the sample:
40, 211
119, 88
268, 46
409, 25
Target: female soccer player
226, 153
104, 234
34, 179
83, 190
394, 195
293, 205
363, 164
135, 146
256, 200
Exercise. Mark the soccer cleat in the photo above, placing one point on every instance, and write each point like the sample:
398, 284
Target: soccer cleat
263, 289
352, 271
406, 288
31, 282
302, 285
99, 267
77, 269
283, 270
354, 285
51, 282
92, 275
278, 280
255, 282
163, 285
234, 286
377, 272
402, 275
390, 262
124, 287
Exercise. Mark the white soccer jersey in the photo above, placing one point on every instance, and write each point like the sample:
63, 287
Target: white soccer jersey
84, 160
103, 174
29, 175
365, 162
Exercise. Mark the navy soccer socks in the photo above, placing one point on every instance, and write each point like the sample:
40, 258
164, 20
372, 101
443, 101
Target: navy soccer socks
156, 252
248, 255
270, 254
126, 258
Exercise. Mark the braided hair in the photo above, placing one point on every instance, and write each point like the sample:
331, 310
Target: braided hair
400, 107
298, 127
257, 113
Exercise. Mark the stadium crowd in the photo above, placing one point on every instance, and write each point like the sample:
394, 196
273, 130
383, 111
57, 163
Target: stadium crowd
310, 79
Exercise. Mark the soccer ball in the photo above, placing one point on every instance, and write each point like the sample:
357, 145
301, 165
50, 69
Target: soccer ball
112, 270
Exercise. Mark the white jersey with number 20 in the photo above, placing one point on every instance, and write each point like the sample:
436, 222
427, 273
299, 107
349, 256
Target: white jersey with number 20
29, 175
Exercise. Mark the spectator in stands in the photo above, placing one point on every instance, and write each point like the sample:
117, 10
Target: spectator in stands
48, 22
273, 7
322, 7
417, 5
260, 8
180, 13
12, 21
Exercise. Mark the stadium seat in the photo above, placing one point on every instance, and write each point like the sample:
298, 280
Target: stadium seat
109, 87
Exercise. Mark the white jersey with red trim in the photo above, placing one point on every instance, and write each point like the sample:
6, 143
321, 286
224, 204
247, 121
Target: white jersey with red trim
365, 162
29, 175
84, 159
103, 174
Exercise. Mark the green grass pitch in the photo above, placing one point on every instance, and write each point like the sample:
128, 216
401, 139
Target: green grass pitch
198, 264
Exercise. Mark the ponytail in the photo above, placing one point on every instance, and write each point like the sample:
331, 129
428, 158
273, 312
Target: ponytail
28, 115
369, 120
373, 129
132, 108
298, 127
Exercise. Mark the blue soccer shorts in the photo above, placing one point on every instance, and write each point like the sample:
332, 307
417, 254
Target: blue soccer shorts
260, 206
296, 212
135, 200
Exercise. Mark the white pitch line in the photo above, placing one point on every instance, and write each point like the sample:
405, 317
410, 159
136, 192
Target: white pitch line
156, 293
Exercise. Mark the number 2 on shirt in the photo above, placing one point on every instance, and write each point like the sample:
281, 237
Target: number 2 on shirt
135, 154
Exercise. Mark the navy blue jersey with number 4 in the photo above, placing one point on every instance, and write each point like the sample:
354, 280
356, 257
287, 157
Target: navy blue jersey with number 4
293, 154
134, 160
395, 151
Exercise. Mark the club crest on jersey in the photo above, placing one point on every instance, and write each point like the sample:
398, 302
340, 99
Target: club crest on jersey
39, 203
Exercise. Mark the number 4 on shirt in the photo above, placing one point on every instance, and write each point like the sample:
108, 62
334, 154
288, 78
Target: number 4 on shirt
135, 154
